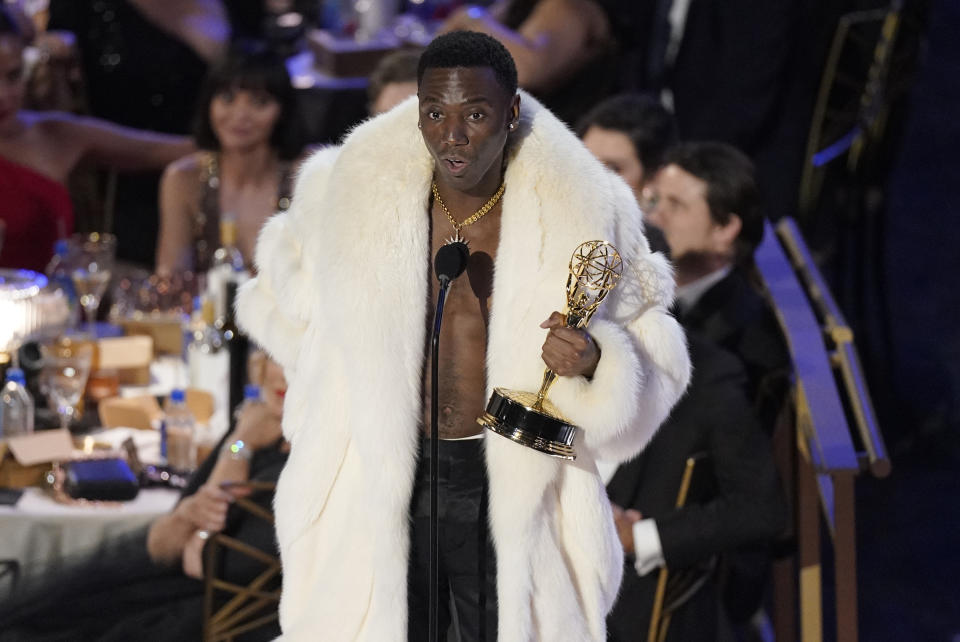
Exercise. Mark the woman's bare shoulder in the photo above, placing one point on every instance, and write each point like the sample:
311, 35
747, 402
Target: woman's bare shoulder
187, 171
182, 178
189, 166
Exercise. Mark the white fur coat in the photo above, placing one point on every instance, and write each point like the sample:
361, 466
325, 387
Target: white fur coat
340, 301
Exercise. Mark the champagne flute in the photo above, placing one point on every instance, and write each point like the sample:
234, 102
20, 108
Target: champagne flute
91, 272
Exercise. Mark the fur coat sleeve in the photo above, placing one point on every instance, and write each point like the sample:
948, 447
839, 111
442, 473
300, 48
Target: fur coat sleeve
271, 307
643, 368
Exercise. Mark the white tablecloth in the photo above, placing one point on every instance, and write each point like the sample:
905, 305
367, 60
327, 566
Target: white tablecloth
41, 534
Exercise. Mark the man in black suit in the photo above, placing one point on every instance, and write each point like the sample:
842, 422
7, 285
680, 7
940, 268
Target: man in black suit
728, 70
740, 503
722, 64
708, 207
711, 222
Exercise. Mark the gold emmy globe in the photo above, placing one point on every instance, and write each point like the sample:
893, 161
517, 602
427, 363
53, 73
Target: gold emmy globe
529, 418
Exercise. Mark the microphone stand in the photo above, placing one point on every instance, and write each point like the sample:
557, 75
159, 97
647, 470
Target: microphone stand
434, 566
449, 263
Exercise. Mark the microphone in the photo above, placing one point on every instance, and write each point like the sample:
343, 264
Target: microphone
451, 260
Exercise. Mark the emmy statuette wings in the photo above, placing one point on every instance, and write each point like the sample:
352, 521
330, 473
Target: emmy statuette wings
529, 418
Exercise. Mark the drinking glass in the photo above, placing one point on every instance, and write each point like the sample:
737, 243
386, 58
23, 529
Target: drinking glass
91, 267
66, 367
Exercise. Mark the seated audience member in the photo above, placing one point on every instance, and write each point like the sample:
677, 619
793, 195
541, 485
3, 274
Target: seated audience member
38, 150
393, 81
247, 131
708, 209
145, 585
629, 133
179, 536
739, 504
569, 53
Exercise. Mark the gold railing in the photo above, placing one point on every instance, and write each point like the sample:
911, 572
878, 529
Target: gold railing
832, 436
853, 100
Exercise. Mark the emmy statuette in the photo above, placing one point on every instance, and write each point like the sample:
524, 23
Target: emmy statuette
529, 418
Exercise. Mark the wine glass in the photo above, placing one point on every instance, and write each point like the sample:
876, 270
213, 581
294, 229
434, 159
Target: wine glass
91, 268
66, 367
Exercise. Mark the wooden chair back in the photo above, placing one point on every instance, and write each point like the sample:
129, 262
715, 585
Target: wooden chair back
673, 589
247, 607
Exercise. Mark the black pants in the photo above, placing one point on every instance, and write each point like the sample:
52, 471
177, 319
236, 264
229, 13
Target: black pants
468, 585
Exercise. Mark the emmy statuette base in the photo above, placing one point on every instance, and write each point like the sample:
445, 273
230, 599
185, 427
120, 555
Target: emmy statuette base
511, 414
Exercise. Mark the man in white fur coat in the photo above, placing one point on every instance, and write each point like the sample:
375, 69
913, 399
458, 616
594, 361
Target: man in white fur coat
343, 300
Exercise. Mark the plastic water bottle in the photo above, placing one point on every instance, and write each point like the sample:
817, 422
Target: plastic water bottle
58, 276
251, 393
16, 406
179, 428
58, 272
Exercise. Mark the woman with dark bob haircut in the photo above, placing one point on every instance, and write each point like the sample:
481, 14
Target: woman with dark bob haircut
247, 131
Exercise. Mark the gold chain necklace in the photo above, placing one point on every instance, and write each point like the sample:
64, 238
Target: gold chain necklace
473, 218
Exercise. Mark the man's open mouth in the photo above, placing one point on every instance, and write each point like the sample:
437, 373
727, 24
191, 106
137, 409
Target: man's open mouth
455, 165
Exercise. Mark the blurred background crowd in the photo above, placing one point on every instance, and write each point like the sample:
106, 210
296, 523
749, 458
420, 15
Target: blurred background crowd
144, 143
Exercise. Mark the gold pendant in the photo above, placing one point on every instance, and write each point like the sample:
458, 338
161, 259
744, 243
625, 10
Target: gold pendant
456, 238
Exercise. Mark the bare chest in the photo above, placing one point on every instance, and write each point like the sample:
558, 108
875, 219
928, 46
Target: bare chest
463, 338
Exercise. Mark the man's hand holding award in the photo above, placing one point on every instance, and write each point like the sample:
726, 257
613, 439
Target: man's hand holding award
529, 418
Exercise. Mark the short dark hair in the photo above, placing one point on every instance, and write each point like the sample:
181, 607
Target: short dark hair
649, 126
470, 49
399, 66
731, 188
251, 66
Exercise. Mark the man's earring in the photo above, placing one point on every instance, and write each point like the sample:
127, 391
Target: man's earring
511, 126
419, 125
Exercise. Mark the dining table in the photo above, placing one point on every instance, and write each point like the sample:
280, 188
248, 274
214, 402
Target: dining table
40, 535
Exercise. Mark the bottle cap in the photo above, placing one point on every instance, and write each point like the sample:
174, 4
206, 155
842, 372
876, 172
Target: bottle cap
16, 374
60, 247
177, 395
251, 392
